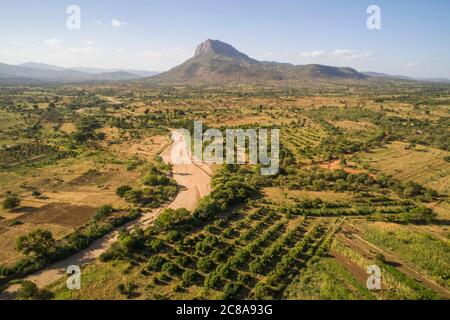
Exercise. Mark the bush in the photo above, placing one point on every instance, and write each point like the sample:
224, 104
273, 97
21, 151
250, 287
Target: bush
230, 290
189, 277
114, 252
212, 281
103, 212
205, 264
156, 245
170, 268
133, 240
36, 193
122, 190
170, 218
244, 278
173, 236
11, 202
156, 180
38, 243
155, 263
418, 215
29, 291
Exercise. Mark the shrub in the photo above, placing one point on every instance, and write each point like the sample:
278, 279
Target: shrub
189, 277
170, 268
133, 240
173, 236
212, 281
36, 193
37, 243
122, 190
11, 202
418, 215
103, 212
155, 263
244, 278
156, 245
114, 252
29, 291
230, 290
205, 264
170, 218
156, 180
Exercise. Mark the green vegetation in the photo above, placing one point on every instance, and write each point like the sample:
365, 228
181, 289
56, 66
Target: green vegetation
37, 243
358, 162
11, 202
420, 249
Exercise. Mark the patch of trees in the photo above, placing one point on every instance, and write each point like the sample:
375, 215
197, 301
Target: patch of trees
86, 129
159, 190
339, 180
420, 131
229, 188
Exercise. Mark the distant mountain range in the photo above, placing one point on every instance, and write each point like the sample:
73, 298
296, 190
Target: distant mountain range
388, 76
216, 61
213, 62
33, 72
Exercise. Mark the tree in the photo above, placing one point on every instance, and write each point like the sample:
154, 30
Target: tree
419, 215
212, 281
103, 212
205, 264
37, 243
11, 202
172, 218
122, 190
189, 277
30, 291
155, 263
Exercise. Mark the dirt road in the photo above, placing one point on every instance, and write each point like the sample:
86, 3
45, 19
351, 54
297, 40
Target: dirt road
195, 183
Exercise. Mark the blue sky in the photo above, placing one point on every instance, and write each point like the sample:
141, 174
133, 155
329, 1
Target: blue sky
159, 34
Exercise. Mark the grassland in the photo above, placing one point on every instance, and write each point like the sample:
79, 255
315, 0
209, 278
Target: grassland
424, 165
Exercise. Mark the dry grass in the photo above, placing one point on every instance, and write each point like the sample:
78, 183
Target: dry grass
280, 195
423, 165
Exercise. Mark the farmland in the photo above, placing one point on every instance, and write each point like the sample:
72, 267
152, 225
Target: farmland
363, 180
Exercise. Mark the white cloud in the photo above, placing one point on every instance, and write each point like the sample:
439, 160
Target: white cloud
98, 21
117, 23
53, 43
83, 50
351, 55
313, 54
154, 54
89, 42
336, 56
413, 65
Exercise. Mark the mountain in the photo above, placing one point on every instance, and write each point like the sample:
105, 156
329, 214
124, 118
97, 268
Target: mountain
216, 61
42, 74
116, 76
384, 75
435, 80
400, 77
140, 73
39, 72
42, 66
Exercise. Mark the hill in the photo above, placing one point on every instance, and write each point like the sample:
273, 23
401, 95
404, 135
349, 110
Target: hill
216, 61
